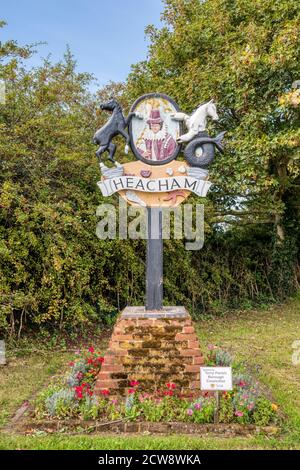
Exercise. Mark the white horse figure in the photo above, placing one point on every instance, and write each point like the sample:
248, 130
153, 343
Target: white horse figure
197, 121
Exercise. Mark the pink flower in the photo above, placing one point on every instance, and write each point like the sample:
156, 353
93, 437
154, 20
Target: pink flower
145, 396
91, 349
242, 383
211, 347
190, 412
71, 364
79, 375
134, 383
239, 413
198, 406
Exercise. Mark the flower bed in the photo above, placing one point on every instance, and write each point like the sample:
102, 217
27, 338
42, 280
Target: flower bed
73, 398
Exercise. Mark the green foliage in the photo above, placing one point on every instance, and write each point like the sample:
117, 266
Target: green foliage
54, 271
226, 409
264, 413
202, 410
245, 54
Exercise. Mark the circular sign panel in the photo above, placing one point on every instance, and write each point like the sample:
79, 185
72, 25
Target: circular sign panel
153, 132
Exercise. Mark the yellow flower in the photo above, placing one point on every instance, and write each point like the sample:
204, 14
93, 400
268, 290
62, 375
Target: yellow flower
274, 407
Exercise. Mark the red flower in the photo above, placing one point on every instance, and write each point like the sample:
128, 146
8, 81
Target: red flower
99, 360
91, 349
85, 385
134, 383
242, 383
131, 390
171, 386
90, 361
168, 393
78, 392
71, 364
104, 392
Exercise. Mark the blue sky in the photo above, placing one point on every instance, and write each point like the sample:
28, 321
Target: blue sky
106, 36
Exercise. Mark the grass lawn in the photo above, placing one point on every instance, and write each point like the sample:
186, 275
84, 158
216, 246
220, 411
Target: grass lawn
260, 339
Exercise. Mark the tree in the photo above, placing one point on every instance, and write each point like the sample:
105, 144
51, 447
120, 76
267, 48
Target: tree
53, 269
245, 54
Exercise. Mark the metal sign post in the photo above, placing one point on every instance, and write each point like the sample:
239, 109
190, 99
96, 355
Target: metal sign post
154, 260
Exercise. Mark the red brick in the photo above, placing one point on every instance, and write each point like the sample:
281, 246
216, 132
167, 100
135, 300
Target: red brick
118, 331
121, 337
189, 352
192, 368
180, 355
109, 352
109, 360
130, 344
106, 384
120, 352
103, 375
188, 329
128, 322
111, 368
198, 360
145, 322
185, 337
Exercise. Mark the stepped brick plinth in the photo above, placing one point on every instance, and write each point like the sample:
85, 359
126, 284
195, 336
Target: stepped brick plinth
154, 348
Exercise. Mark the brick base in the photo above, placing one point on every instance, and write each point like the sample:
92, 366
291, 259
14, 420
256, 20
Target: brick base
154, 348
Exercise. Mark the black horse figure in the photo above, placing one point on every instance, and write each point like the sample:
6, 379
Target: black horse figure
114, 126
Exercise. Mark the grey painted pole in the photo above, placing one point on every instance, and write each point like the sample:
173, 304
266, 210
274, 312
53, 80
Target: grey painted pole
154, 268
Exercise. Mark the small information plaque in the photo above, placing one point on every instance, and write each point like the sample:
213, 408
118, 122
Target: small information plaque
216, 378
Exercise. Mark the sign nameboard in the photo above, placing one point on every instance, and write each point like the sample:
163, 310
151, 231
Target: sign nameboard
112, 185
216, 378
